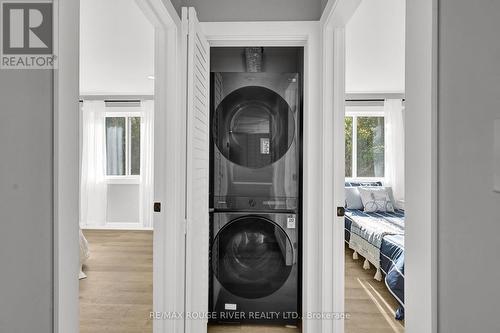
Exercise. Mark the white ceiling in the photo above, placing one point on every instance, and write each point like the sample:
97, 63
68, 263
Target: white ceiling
375, 41
116, 48
254, 10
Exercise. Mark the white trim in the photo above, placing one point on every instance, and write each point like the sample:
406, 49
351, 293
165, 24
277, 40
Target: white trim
169, 168
304, 34
421, 200
66, 168
364, 110
120, 113
421, 155
333, 20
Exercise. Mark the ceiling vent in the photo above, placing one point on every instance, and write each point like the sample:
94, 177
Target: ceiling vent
253, 58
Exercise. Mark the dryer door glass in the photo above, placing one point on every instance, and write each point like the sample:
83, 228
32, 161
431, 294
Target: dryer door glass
253, 126
252, 257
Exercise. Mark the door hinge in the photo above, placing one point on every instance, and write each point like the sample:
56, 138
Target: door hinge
157, 207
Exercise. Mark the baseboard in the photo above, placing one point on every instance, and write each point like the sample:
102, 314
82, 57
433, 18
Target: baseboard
117, 226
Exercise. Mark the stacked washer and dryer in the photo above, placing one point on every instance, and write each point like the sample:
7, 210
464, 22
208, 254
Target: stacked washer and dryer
255, 187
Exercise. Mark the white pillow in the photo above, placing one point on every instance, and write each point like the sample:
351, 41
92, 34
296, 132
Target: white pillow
353, 198
376, 199
391, 195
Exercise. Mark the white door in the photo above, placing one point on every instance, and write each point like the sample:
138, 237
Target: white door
197, 112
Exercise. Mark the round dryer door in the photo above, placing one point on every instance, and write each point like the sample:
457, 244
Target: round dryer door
253, 127
252, 257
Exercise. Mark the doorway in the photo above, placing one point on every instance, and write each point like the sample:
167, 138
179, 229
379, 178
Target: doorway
116, 166
164, 280
374, 167
420, 189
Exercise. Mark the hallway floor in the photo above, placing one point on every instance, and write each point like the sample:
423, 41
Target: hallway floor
117, 295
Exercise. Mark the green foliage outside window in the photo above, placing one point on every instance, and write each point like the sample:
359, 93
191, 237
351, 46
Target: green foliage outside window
371, 147
123, 137
370, 143
348, 146
135, 148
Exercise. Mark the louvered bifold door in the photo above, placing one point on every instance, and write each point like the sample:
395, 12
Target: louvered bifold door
197, 110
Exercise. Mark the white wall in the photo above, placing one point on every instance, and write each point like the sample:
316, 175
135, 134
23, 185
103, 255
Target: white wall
123, 203
116, 48
375, 47
469, 211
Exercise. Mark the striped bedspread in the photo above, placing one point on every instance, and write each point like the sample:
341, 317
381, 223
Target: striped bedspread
368, 230
392, 263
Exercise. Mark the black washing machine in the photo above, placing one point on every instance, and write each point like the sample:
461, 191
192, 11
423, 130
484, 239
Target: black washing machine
255, 146
254, 267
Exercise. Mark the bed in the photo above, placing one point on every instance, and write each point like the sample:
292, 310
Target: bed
379, 238
392, 264
84, 254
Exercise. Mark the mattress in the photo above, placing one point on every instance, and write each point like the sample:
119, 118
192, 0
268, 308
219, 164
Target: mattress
367, 231
392, 263
84, 254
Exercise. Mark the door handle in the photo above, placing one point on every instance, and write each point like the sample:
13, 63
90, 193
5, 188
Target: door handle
340, 211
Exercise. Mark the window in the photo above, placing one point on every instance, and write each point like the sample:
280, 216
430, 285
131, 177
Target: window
364, 146
123, 145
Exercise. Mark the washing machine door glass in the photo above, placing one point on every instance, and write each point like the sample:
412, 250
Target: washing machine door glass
253, 127
252, 257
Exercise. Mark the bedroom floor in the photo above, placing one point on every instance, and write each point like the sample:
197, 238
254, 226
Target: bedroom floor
368, 301
117, 295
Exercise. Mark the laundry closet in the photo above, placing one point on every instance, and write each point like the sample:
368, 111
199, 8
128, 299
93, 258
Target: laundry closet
255, 187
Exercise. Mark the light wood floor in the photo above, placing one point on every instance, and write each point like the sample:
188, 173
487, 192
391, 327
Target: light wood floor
117, 295
367, 301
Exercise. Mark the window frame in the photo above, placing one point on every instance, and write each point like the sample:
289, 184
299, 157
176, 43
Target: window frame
128, 178
356, 111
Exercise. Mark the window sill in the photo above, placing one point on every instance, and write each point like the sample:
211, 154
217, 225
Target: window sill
400, 204
365, 179
124, 180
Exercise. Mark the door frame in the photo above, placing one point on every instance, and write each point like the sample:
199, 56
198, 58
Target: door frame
307, 35
420, 153
168, 266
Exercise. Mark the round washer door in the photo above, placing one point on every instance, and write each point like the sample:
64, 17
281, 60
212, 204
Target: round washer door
252, 257
253, 127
